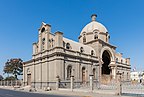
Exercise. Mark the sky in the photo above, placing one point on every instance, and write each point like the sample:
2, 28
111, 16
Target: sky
21, 19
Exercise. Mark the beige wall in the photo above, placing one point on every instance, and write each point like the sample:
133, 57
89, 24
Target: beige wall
53, 60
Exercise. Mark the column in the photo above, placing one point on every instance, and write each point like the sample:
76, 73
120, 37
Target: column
23, 76
57, 82
119, 85
100, 69
47, 71
11, 83
72, 83
33, 74
91, 82
7, 83
40, 42
113, 68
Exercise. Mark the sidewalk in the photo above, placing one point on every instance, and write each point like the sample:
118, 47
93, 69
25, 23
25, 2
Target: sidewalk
68, 92
79, 93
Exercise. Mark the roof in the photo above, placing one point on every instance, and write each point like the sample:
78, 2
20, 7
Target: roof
94, 25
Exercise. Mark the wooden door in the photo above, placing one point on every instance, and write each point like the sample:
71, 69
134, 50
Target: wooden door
28, 79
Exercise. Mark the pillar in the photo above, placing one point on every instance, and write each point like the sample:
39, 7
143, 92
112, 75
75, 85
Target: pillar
113, 72
91, 82
57, 82
72, 83
23, 75
40, 43
47, 64
7, 83
11, 83
119, 85
33, 73
34, 48
15, 82
100, 70
58, 39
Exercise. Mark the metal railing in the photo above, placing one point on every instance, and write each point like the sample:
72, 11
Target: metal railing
132, 88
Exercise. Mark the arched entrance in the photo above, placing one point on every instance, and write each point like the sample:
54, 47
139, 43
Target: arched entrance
106, 61
83, 75
105, 70
28, 79
69, 71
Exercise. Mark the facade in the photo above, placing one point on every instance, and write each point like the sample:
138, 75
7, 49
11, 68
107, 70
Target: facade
137, 76
56, 56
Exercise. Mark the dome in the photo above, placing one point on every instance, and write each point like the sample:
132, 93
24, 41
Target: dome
94, 25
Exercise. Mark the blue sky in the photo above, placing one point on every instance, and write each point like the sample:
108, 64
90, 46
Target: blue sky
20, 20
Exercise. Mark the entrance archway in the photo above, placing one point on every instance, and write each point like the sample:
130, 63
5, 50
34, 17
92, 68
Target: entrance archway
106, 58
106, 61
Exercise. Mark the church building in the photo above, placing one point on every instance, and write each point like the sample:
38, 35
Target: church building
56, 56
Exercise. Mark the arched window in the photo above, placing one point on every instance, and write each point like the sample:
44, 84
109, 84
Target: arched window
95, 36
94, 73
127, 76
123, 78
43, 29
81, 50
109, 36
121, 61
37, 48
69, 71
67, 46
28, 70
116, 60
126, 61
63, 44
84, 33
83, 74
52, 42
43, 43
92, 52
84, 39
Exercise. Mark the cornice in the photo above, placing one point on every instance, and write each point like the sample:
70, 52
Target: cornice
79, 55
102, 42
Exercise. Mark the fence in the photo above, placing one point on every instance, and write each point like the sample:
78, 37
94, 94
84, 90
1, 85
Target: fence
123, 87
11, 83
110, 86
132, 88
118, 87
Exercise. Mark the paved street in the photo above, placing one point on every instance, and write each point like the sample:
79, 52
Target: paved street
10, 93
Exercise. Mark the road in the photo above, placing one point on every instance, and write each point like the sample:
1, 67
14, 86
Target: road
11, 93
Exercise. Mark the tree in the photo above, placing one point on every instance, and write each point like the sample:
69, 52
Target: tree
7, 68
14, 66
9, 78
1, 77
